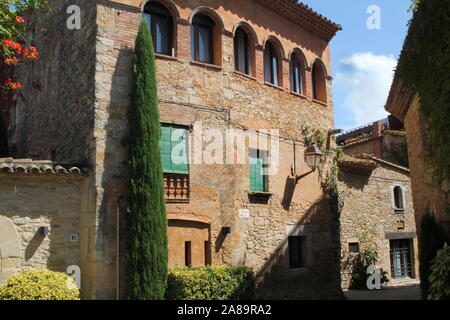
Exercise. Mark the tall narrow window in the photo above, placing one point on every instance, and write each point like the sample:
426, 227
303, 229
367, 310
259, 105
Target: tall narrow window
318, 82
296, 251
242, 57
188, 254
398, 198
160, 22
296, 75
258, 164
270, 64
202, 48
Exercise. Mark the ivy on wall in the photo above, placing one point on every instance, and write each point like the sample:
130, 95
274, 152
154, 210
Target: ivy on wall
424, 67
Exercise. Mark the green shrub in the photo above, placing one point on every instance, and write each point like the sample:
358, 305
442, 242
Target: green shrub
39, 285
432, 238
211, 283
440, 276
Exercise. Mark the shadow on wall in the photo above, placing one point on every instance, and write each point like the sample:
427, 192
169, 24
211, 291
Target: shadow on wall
319, 275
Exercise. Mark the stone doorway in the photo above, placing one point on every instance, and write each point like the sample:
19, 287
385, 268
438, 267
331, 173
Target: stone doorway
401, 258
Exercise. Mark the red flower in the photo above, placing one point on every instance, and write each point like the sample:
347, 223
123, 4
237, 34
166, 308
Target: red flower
12, 85
11, 61
31, 53
20, 19
12, 46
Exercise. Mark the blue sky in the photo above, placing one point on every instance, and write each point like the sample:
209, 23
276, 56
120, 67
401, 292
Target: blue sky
363, 60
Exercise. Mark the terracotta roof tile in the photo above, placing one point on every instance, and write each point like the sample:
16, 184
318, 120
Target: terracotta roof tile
29, 166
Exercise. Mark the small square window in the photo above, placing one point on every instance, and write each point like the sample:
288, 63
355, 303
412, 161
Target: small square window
353, 247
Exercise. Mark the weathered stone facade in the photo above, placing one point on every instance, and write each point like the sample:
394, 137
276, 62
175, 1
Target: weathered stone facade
405, 106
31, 200
368, 212
92, 127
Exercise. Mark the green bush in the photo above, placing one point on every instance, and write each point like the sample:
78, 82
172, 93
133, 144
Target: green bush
211, 283
440, 276
39, 285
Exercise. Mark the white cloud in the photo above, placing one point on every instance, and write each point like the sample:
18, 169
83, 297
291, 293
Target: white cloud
364, 82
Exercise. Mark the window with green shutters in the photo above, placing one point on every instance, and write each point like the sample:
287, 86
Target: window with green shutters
174, 148
258, 182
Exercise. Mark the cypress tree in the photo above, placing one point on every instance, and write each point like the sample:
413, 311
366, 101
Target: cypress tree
146, 216
3, 139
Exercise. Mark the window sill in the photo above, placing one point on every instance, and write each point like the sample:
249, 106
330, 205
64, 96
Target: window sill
274, 86
244, 75
259, 197
320, 102
399, 211
177, 201
298, 95
165, 57
206, 65
299, 270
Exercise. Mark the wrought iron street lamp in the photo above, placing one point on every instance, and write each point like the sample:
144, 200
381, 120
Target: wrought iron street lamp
313, 157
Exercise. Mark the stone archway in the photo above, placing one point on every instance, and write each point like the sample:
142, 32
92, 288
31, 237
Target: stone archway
9, 249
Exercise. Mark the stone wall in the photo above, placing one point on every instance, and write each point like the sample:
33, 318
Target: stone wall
28, 202
368, 208
426, 197
53, 117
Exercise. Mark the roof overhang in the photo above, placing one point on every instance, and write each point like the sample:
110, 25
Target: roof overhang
306, 17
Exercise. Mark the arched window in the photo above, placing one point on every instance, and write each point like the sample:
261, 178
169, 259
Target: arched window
296, 72
271, 64
202, 39
160, 22
242, 56
318, 81
398, 197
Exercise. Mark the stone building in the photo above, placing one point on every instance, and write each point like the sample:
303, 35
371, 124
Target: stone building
405, 106
251, 66
377, 201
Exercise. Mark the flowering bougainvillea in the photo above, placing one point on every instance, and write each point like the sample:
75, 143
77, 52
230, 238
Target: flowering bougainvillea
13, 49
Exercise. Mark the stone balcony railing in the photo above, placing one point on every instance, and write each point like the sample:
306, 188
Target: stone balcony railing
176, 187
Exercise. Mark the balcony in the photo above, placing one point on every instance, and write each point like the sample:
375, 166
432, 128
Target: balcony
176, 187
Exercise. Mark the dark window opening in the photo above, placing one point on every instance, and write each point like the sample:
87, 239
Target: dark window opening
296, 251
242, 57
160, 23
271, 63
353, 247
202, 39
398, 197
187, 254
207, 253
296, 75
318, 82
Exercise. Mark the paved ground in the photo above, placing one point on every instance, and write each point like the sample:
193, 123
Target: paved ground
396, 290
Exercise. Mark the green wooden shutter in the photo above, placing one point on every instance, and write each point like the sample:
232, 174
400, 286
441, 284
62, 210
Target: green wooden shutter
257, 179
165, 147
174, 143
179, 150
